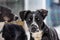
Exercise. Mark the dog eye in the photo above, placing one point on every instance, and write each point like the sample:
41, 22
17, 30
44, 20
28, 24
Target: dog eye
29, 19
37, 18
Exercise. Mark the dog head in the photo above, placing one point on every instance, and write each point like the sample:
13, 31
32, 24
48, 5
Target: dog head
9, 17
6, 15
33, 19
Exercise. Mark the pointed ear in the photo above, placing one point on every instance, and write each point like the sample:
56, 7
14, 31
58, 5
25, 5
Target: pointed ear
23, 14
43, 13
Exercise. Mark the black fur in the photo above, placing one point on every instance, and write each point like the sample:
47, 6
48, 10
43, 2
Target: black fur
43, 13
23, 14
49, 33
13, 32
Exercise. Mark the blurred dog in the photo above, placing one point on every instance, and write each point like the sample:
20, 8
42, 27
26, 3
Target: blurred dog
13, 32
7, 15
33, 22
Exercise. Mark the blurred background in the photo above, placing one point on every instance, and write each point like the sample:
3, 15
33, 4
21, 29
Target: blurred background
53, 7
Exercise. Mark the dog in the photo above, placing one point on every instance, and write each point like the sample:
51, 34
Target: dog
7, 15
33, 23
13, 32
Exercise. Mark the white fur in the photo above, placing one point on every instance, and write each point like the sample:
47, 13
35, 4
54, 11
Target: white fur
1, 26
1, 38
34, 20
26, 30
37, 35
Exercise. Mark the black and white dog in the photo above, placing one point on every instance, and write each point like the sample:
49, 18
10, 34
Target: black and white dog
33, 23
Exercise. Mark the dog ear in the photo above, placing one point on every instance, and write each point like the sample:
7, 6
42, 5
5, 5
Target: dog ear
43, 12
23, 14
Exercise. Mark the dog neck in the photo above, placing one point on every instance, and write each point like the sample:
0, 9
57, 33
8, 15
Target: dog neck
37, 35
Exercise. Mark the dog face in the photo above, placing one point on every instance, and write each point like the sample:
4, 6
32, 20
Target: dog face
2, 11
6, 15
33, 19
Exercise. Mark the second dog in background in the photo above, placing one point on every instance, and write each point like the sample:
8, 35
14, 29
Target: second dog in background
7, 15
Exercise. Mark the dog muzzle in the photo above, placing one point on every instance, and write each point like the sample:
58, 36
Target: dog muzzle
33, 28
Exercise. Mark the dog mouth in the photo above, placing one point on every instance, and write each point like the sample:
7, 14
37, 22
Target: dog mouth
33, 29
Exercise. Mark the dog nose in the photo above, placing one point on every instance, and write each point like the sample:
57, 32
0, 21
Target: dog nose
16, 18
34, 28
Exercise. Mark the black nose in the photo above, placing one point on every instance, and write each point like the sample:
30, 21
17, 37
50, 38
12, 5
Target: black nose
33, 28
16, 18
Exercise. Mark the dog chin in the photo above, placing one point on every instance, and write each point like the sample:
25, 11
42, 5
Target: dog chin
37, 35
